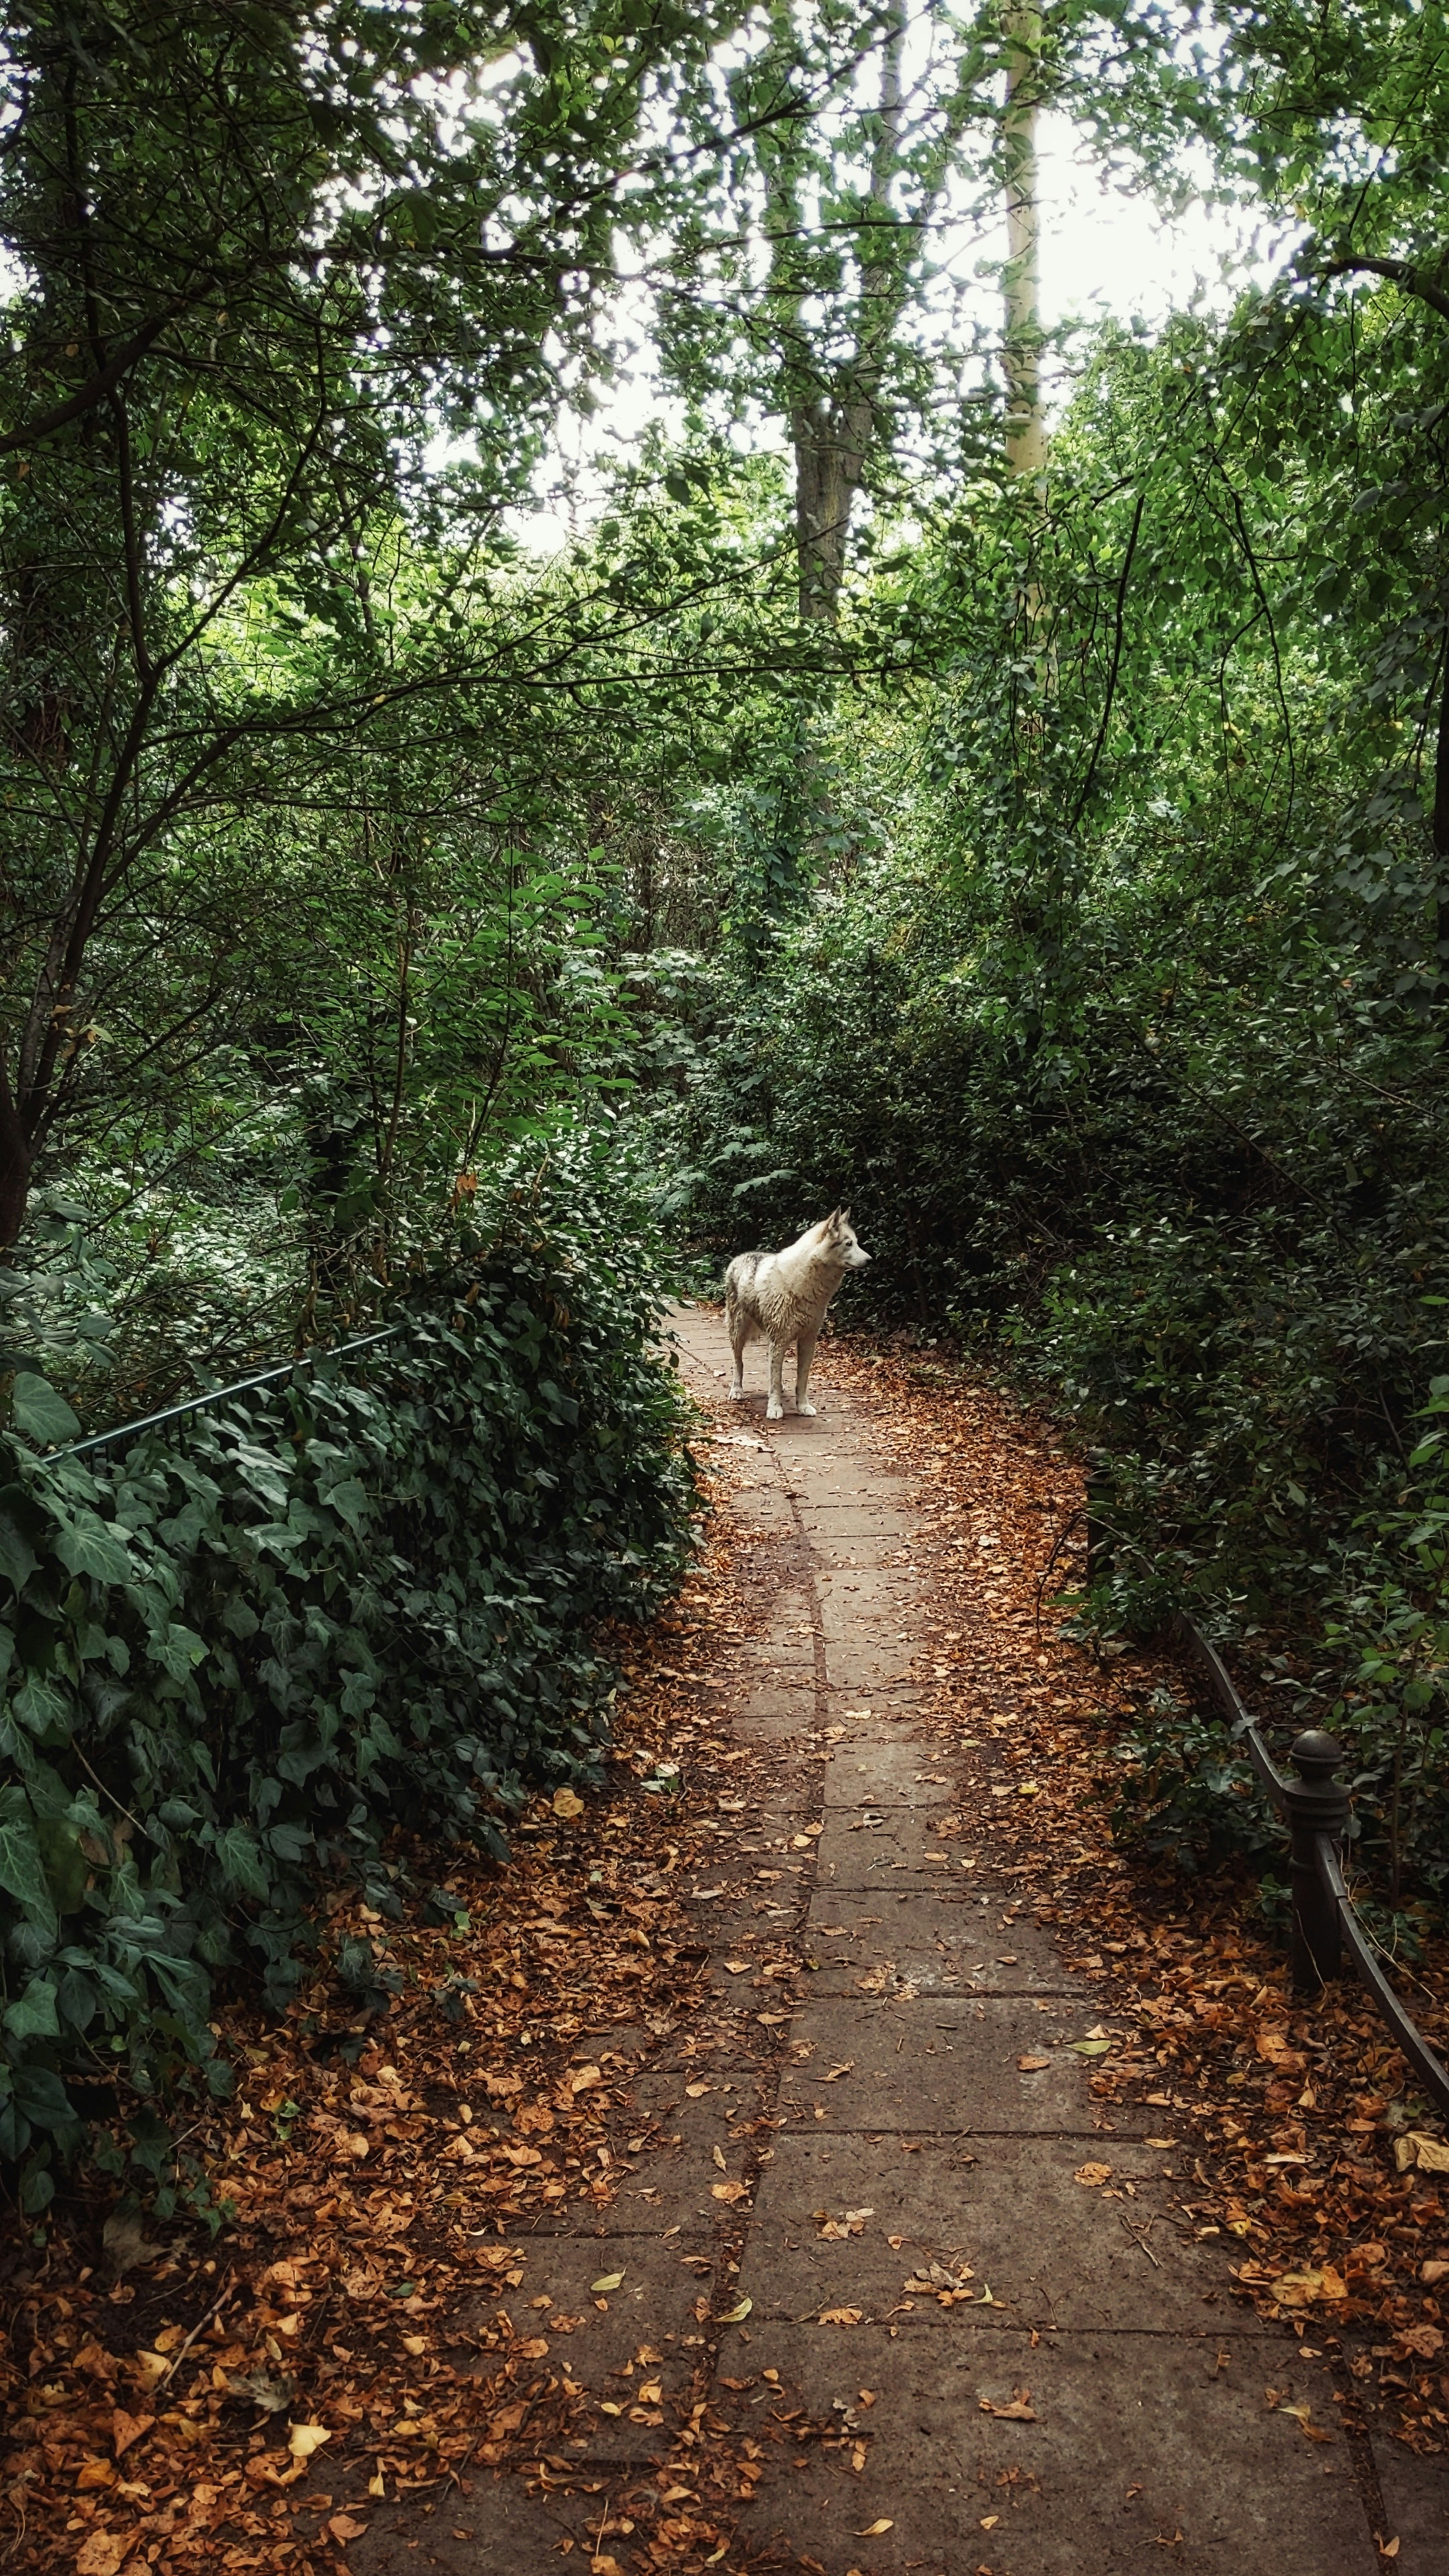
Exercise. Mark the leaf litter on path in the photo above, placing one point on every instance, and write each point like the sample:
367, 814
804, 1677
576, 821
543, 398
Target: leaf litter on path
385, 2172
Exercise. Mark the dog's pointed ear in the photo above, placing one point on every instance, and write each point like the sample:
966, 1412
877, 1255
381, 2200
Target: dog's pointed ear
842, 1216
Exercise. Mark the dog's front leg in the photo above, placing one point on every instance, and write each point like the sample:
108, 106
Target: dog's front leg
804, 1354
775, 1408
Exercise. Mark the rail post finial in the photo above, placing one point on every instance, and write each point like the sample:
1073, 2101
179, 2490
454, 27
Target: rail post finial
1317, 1803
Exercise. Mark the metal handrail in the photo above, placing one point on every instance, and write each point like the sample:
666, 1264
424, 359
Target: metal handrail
1324, 1915
1406, 2031
222, 1394
1243, 1724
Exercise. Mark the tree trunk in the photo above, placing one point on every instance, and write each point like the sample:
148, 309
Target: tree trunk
831, 441
1026, 442
1439, 828
833, 428
15, 1166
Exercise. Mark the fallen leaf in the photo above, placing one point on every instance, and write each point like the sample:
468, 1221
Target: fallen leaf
718, 2154
1429, 2155
874, 2529
567, 1804
1302, 2416
1425, 2341
1300, 2289
272, 2390
126, 2429
1020, 2411
606, 2281
102, 2552
1093, 2175
836, 2072
1090, 2047
739, 1967
736, 2315
343, 2528
1032, 2065
153, 2366
1388, 2548
728, 2191
841, 2316
534, 2348
304, 2439
125, 2242
697, 2091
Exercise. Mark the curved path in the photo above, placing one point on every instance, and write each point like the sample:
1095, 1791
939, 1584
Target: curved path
882, 2255
1107, 2404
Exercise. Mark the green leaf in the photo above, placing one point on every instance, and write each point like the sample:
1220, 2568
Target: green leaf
349, 1501
40, 1412
239, 1856
22, 1871
33, 2014
87, 1546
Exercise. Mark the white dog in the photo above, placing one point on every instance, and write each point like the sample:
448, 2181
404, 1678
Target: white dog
781, 1297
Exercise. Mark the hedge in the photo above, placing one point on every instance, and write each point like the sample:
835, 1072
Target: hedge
239, 1651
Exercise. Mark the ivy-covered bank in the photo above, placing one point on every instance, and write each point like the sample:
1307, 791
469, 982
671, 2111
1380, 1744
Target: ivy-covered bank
240, 1652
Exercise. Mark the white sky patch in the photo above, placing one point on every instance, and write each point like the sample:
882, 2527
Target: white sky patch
1106, 252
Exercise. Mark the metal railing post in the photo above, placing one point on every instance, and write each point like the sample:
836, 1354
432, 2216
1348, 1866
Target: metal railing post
1317, 1804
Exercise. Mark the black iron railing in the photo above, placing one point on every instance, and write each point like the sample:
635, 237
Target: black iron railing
122, 1431
1316, 1805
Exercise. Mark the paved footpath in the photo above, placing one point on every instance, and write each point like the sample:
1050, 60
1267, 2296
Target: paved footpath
1026, 2373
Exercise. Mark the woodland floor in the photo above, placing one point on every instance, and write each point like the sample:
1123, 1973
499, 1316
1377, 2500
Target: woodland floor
824, 2151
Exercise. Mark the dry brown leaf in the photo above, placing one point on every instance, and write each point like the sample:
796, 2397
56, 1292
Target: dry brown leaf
1426, 2154
101, 2553
1301, 2289
1093, 2176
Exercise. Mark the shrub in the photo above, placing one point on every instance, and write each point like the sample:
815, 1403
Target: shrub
240, 1650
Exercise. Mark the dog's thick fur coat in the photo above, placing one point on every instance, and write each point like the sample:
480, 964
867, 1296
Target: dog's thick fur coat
781, 1297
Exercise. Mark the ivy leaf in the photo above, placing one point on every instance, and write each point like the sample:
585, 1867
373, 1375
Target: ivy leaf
33, 2014
40, 1412
22, 1872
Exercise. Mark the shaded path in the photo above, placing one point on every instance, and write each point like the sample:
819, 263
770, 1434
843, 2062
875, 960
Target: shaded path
981, 2338
1146, 2392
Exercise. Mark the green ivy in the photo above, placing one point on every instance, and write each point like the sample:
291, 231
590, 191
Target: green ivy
238, 1651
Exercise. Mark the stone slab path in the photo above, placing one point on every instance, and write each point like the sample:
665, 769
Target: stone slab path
1007, 2364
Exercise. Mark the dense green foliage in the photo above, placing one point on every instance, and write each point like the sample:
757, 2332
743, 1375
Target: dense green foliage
244, 1650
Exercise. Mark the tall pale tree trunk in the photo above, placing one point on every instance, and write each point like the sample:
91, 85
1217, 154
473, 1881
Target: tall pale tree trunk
1026, 440
834, 420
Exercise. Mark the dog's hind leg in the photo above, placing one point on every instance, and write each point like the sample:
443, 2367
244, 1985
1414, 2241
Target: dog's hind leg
804, 1354
775, 1408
